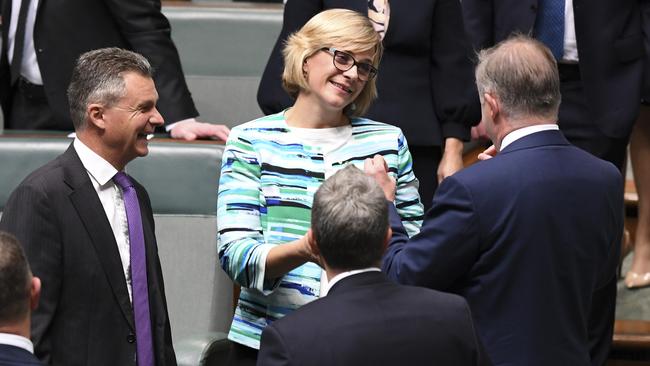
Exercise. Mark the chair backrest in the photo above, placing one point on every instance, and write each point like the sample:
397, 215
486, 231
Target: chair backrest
224, 48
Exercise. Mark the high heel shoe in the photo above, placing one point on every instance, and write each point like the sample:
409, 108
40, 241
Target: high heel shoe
635, 280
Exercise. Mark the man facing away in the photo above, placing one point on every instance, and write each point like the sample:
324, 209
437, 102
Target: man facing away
365, 319
19, 292
87, 227
530, 237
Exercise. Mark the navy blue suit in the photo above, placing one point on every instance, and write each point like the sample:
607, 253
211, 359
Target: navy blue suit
368, 320
16, 356
531, 239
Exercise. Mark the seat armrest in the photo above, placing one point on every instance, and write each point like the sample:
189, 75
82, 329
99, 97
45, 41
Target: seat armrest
205, 349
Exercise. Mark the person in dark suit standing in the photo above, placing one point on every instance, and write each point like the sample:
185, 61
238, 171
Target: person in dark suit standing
88, 228
366, 319
599, 48
19, 292
530, 237
425, 86
42, 39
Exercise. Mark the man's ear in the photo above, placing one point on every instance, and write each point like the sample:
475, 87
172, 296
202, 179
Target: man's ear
34, 293
389, 235
313, 246
95, 114
493, 105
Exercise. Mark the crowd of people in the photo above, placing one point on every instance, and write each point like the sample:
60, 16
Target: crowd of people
329, 215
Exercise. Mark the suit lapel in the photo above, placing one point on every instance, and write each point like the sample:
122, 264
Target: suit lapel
90, 211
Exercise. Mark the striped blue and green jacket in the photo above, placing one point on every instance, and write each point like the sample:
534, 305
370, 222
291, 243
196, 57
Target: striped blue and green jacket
268, 180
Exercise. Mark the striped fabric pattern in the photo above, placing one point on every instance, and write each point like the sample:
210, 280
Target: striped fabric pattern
268, 180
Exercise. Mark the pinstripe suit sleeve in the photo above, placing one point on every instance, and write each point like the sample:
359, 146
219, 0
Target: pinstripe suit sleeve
29, 216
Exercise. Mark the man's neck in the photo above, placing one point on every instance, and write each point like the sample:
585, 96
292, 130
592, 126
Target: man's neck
94, 143
20, 328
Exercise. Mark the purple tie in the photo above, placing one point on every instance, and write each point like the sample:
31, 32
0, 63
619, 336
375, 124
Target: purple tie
144, 343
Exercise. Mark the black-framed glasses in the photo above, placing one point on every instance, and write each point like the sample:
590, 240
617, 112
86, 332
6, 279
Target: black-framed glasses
344, 61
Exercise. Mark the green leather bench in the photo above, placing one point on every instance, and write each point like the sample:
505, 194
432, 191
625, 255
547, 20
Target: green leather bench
224, 48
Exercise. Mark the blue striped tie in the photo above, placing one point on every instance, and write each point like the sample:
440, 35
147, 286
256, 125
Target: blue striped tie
549, 26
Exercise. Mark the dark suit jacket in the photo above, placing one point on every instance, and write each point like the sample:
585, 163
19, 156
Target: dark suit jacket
610, 48
367, 320
16, 356
426, 80
66, 29
531, 239
84, 316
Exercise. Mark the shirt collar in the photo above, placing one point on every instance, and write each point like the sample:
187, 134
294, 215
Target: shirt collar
17, 341
101, 170
519, 133
343, 275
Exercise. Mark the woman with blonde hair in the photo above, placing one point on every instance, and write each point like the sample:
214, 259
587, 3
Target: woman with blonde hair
426, 86
272, 167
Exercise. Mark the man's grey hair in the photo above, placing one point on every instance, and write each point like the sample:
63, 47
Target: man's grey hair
15, 280
98, 77
522, 73
350, 220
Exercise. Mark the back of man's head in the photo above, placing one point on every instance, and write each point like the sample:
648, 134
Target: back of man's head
522, 73
350, 220
15, 281
98, 78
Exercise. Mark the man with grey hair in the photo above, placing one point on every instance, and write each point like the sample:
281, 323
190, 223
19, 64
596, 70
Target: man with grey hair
365, 319
19, 292
529, 237
88, 229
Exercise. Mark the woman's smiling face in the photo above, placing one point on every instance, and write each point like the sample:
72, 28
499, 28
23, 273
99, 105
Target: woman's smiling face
330, 87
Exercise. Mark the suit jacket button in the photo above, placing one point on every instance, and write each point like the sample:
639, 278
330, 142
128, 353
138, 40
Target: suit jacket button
130, 338
533, 7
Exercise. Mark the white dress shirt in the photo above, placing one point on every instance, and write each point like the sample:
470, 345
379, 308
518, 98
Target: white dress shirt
17, 341
342, 275
29, 69
570, 43
517, 134
101, 174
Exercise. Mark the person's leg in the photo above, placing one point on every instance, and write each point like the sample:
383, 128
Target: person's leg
639, 273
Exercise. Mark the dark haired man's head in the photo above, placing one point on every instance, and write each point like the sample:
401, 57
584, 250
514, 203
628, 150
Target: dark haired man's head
19, 290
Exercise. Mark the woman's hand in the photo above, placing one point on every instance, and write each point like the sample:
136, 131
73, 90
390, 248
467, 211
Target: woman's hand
378, 170
285, 257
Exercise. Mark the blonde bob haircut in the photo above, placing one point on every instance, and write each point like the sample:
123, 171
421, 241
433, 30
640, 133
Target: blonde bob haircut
343, 29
